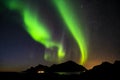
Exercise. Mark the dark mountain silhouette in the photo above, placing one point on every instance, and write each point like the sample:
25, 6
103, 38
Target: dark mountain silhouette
68, 66
117, 65
36, 69
104, 71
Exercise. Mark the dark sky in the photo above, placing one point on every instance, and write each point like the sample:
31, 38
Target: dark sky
101, 20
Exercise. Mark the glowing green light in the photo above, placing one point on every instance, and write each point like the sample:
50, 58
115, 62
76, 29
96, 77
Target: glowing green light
36, 28
73, 25
14, 4
40, 33
52, 51
61, 52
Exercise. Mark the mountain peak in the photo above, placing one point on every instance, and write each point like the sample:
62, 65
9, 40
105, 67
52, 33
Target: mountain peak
68, 66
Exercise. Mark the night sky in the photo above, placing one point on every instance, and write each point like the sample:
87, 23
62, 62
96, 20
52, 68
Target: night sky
19, 50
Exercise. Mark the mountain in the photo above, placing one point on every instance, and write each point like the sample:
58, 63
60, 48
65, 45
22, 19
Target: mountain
104, 71
68, 66
36, 69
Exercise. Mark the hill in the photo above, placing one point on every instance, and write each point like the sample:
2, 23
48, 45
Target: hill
104, 71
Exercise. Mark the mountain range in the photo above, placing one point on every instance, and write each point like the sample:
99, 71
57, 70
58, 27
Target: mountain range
68, 66
104, 71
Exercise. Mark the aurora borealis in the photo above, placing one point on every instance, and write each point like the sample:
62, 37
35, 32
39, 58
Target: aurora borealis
53, 31
37, 29
40, 32
74, 26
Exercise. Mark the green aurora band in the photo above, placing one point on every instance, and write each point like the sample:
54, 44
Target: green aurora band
73, 25
36, 28
40, 32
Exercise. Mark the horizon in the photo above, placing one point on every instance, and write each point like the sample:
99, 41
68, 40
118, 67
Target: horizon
58, 64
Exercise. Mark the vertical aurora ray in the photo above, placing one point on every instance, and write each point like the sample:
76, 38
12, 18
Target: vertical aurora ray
73, 25
36, 28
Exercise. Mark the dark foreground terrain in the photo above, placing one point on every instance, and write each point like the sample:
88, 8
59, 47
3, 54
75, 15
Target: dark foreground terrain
104, 71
